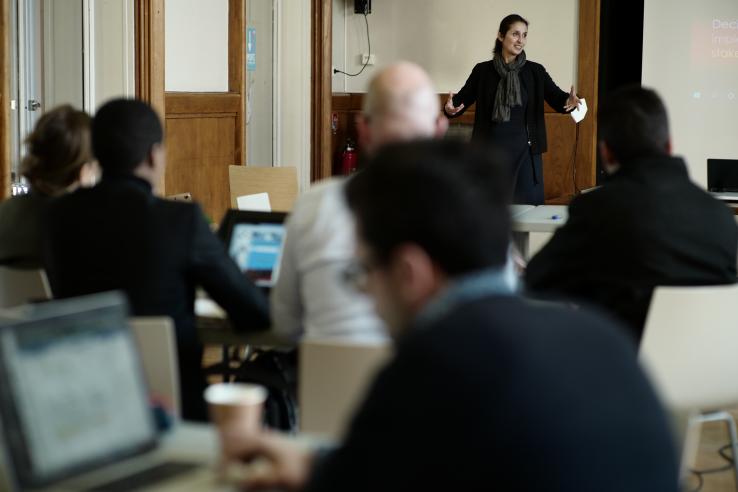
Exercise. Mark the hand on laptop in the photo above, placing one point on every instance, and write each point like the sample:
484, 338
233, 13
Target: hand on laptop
288, 464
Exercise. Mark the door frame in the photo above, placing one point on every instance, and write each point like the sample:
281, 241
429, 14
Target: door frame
149, 59
321, 89
5, 97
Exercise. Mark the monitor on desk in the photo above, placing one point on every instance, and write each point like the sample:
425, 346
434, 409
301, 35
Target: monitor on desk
255, 241
722, 175
72, 391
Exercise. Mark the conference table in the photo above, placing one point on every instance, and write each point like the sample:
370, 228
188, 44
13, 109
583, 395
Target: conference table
214, 328
533, 227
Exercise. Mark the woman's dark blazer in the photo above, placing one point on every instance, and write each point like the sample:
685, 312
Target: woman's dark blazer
481, 87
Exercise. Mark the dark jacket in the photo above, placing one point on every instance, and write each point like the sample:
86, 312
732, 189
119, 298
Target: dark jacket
481, 87
649, 225
119, 236
20, 230
510, 395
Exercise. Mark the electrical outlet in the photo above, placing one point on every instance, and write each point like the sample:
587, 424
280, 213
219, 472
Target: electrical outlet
362, 6
367, 59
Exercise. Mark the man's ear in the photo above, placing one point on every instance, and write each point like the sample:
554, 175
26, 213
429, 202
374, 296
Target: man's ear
415, 275
156, 155
441, 126
606, 153
669, 147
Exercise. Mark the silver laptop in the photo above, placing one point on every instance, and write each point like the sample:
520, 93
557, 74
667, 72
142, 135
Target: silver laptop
73, 400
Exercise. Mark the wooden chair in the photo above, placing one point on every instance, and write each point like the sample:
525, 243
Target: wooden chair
333, 379
157, 346
19, 286
689, 351
280, 183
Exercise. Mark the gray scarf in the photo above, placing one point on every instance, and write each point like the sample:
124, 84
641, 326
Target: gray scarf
508, 89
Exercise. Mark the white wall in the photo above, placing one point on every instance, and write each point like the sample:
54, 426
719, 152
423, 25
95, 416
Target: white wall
448, 37
293, 90
87, 77
62, 35
260, 86
114, 50
196, 45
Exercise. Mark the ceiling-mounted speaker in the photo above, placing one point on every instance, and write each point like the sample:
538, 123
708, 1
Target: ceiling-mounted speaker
362, 6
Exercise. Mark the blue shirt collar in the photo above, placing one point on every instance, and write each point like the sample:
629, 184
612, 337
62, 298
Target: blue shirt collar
494, 281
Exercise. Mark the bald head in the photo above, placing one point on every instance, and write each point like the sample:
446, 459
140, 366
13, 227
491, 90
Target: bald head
401, 104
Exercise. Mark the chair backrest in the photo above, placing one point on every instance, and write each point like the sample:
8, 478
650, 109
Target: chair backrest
280, 183
689, 346
155, 337
19, 286
334, 377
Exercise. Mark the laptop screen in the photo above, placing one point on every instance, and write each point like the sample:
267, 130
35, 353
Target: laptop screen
255, 241
722, 175
74, 394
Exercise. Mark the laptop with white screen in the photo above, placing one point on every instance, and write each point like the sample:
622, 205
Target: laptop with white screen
255, 241
73, 400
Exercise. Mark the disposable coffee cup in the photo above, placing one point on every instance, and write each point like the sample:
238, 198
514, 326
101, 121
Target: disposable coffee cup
236, 407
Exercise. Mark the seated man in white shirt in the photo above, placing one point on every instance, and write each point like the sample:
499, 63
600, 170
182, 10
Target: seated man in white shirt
311, 298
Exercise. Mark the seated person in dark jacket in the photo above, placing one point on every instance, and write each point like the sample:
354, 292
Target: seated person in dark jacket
118, 235
648, 225
58, 160
487, 391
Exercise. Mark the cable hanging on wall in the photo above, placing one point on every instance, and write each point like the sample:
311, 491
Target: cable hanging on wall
369, 44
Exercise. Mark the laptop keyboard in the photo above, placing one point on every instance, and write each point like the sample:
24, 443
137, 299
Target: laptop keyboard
147, 477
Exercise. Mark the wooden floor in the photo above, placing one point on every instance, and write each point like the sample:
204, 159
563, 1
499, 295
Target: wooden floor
713, 437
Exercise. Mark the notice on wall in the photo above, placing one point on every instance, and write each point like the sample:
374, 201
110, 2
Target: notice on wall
251, 49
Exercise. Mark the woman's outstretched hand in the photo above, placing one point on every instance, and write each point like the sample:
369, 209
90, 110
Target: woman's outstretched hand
452, 110
572, 102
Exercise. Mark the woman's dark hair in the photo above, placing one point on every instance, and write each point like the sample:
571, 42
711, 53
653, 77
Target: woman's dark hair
57, 149
505, 26
446, 197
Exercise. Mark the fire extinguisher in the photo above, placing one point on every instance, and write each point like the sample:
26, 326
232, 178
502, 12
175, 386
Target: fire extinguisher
349, 158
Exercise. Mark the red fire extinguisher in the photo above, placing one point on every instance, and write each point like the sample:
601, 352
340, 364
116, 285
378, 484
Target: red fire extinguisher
349, 158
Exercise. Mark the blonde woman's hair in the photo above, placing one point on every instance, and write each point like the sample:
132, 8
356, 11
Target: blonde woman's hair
57, 149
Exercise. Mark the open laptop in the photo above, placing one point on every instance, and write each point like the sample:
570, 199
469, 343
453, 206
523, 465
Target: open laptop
722, 178
255, 241
73, 402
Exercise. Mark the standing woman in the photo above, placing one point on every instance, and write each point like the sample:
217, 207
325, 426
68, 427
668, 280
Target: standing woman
510, 91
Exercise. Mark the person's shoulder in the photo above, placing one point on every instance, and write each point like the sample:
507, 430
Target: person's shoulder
176, 210
714, 207
506, 325
323, 202
482, 66
327, 189
535, 66
520, 318
603, 197
28, 201
82, 199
